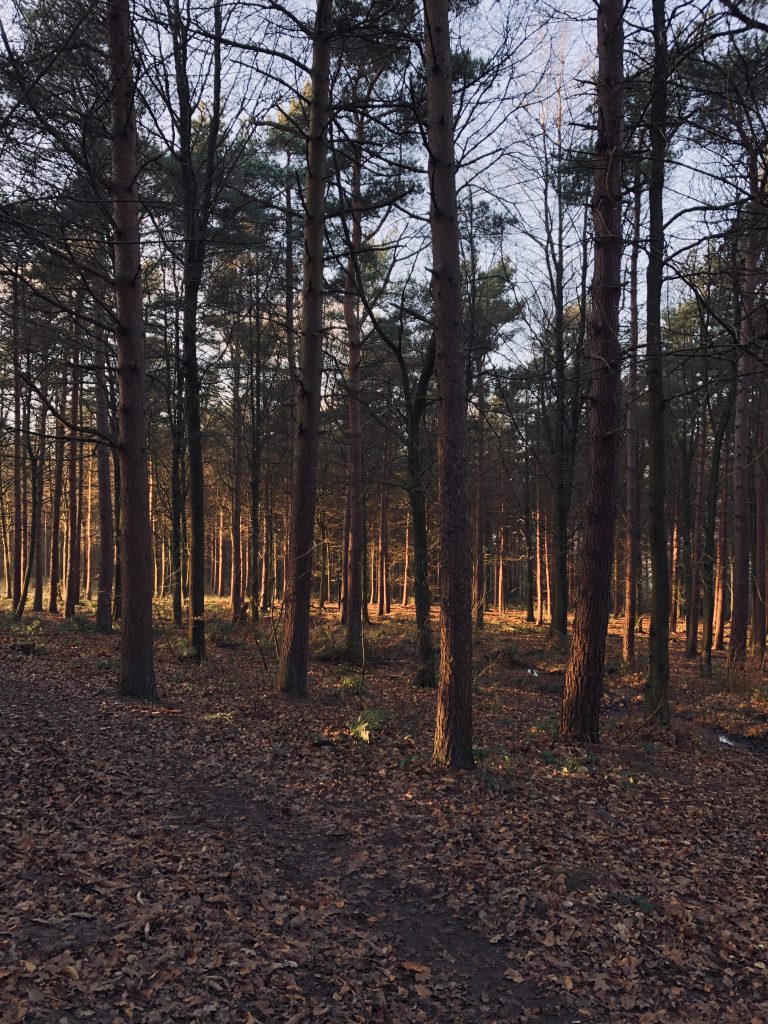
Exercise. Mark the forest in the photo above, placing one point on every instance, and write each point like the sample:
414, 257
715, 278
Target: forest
383, 511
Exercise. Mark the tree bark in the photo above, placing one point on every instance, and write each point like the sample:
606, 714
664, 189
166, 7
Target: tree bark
692, 608
73, 561
657, 681
453, 726
742, 532
633, 474
353, 610
137, 672
479, 583
759, 601
104, 484
580, 708
709, 586
294, 647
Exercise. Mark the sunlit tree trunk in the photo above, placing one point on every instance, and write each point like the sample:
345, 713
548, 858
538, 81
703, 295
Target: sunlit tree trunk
104, 485
73, 561
453, 727
137, 672
692, 610
294, 646
657, 681
742, 527
353, 610
632, 545
580, 708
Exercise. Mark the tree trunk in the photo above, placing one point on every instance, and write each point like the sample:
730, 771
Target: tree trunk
137, 673
453, 726
692, 610
294, 647
73, 561
425, 673
759, 602
39, 548
406, 560
104, 481
580, 708
632, 545
382, 609
478, 596
742, 533
354, 569
657, 682
18, 461
236, 583
709, 587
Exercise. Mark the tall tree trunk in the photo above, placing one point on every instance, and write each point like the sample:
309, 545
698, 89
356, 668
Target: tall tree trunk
39, 550
580, 708
692, 610
354, 579
294, 647
137, 672
425, 673
530, 549
73, 562
657, 682
236, 583
406, 560
18, 461
540, 560
89, 533
58, 489
759, 602
633, 474
478, 595
709, 586
267, 563
721, 571
453, 725
197, 189
383, 540
104, 481
258, 599
742, 533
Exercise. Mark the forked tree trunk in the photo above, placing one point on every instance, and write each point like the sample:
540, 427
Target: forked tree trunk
580, 708
657, 681
137, 671
294, 647
453, 725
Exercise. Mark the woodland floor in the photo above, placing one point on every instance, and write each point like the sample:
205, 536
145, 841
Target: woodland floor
228, 856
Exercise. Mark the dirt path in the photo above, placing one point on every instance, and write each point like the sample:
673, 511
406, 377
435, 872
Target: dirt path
148, 883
